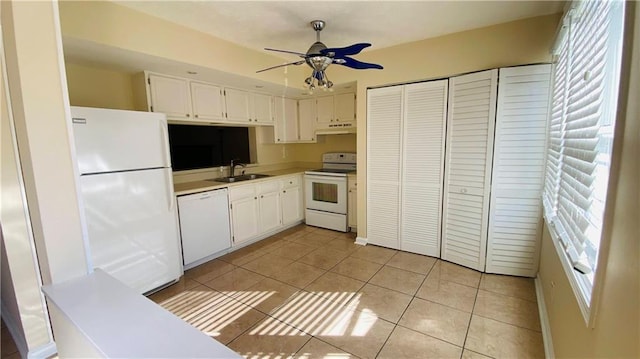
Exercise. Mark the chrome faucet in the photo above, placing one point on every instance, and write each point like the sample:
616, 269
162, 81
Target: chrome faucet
233, 165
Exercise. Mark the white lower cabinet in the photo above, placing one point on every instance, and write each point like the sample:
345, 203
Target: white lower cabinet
244, 213
352, 202
291, 200
269, 210
259, 209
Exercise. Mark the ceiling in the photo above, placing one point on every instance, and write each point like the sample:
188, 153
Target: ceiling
285, 24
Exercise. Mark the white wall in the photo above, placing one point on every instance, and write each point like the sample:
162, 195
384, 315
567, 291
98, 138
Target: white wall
40, 111
23, 306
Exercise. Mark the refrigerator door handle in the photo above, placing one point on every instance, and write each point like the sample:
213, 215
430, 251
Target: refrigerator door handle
170, 196
165, 143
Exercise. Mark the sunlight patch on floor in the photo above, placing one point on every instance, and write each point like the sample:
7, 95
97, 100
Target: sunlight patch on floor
318, 313
211, 311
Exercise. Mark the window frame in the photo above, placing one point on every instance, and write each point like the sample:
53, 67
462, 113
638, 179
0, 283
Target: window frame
578, 281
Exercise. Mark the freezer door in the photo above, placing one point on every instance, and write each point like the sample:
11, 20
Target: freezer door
116, 140
132, 226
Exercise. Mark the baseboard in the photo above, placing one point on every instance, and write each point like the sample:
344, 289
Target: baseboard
361, 241
43, 351
544, 321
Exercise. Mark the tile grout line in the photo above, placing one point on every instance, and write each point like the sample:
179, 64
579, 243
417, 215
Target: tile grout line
405, 309
367, 282
466, 336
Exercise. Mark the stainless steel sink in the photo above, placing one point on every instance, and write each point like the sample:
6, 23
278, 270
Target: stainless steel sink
239, 178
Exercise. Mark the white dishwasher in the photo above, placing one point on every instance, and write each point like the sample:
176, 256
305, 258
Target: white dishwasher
204, 226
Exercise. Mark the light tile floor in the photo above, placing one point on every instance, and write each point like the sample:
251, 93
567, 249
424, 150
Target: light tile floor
313, 293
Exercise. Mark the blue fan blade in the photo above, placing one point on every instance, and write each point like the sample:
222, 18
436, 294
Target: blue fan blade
355, 64
344, 51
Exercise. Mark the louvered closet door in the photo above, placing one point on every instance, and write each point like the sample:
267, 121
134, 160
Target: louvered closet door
384, 128
425, 108
515, 216
470, 125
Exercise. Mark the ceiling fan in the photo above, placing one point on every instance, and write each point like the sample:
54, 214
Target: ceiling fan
319, 57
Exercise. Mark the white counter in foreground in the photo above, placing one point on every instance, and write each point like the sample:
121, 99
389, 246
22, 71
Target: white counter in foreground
98, 316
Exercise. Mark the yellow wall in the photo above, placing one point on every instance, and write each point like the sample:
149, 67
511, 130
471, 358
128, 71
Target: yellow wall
616, 330
331, 143
110, 24
97, 87
518, 42
515, 43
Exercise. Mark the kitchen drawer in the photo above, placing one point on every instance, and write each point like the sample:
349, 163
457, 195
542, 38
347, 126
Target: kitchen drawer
239, 192
268, 186
289, 182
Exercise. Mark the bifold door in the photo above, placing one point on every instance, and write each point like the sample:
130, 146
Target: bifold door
384, 132
515, 219
425, 116
406, 134
470, 131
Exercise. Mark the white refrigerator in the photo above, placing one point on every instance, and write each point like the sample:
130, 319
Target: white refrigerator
127, 194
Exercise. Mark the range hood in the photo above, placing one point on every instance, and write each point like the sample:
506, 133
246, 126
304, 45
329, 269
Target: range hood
336, 131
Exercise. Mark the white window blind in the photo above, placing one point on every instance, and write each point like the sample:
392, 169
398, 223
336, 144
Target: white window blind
582, 114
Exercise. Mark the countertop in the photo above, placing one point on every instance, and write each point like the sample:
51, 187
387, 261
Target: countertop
120, 323
200, 186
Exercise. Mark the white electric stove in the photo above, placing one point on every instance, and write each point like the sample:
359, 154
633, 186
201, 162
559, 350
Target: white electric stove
326, 191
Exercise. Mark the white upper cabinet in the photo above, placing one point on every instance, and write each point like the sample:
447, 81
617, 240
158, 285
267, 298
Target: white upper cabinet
207, 101
345, 107
183, 99
262, 109
306, 119
470, 131
324, 111
238, 106
169, 95
336, 113
515, 219
286, 120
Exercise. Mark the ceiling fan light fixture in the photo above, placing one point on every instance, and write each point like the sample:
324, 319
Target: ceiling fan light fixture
319, 57
318, 79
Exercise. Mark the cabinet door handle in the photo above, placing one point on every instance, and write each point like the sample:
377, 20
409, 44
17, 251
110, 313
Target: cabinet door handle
196, 116
284, 191
255, 197
188, 115
261, 196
